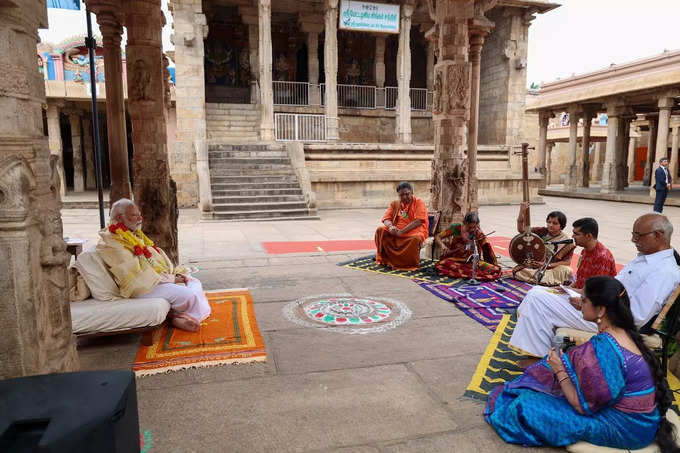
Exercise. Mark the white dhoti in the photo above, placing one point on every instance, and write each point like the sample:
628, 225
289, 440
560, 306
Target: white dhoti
540, 313
189, 299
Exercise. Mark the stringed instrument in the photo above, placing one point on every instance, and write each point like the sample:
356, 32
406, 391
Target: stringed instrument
527, 246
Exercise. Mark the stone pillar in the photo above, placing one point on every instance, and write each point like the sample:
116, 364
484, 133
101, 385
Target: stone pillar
78, 178
584, 171
155, 192
623, 135
189, 156
479, 28
404, 75
451, 110
56, 147
665, 105
88, 151
548, 163
115, 99
264, 9
543, 120
254, 59
673, 167
609, 167
330, 58
312, 29
651, 151
632, 148
35, 313
598, 161
380, 61
430, 65
572, 170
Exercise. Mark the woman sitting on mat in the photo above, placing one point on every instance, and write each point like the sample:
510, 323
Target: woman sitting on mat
456, 243
559, 270
610, 391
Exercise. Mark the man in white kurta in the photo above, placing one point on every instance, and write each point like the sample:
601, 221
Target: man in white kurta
649, 279
143, 270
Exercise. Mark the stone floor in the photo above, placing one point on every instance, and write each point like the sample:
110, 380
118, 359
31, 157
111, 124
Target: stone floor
398, 391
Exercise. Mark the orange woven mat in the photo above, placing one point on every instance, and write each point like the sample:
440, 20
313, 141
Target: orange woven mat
228, 335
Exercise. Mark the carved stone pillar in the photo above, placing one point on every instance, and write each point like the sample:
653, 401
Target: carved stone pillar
189, 156
330, 58
622, 153
312, 29
598, 161
380, 61
35, 315
155, 192
88, 152
264, 9
651, 151
673, 167
430, 65
109, 24
78, 178
543, 120
451, 110
254, 59
572, 168
404, 76
609, 167
665, 105
548, 163
56, 147
584, 171
479, 28
632, 147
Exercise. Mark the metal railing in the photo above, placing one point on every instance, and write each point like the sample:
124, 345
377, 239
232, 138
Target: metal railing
353, 96
299, 127
418, 98
291, 93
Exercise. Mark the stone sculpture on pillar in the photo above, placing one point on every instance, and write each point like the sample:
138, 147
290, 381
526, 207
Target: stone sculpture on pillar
36, 319
56, 147
155, 192
451, 106
78, 178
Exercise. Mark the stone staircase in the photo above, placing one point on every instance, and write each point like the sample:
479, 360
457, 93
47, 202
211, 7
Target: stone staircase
232, 123
255, 182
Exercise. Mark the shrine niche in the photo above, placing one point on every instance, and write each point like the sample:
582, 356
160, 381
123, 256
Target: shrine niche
289, 50
226, 55
356, 58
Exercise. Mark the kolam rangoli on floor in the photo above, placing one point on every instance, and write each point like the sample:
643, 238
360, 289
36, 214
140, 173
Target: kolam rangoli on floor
346, 313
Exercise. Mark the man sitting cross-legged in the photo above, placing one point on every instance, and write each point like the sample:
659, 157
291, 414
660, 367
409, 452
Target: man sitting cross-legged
648, 280
143, 270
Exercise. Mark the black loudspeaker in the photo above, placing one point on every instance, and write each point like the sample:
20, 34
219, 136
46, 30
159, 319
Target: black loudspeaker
86, 412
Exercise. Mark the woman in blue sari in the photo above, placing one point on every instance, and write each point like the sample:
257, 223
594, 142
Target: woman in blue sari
610, 391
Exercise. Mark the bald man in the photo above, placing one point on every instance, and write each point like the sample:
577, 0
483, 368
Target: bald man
649, 279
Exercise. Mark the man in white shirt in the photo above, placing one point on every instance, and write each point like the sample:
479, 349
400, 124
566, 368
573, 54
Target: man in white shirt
648, 280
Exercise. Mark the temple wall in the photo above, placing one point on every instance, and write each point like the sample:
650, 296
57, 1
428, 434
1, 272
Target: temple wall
371, 128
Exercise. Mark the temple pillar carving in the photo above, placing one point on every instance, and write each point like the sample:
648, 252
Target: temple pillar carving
155, 192
330, 57
572, 167
404, 75
110, 25
36, 327
380, 61
632, 147
312, 30
543, 120
55, 143
609, 166
264, 9
548, 163
584, 169
598, 162
88, 152
622, 153
78, 178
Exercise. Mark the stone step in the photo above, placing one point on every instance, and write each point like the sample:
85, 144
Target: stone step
253, 163
271, 214
244, 154
230, 114
236, 138
240, 179
241, 199
258, 185
249, 147
217, 192
231, 128
230, 171
222, 106
261, 206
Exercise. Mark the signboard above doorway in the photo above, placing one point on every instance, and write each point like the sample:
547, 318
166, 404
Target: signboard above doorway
372, 17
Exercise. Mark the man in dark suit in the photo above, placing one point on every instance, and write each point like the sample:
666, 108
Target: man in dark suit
662, 184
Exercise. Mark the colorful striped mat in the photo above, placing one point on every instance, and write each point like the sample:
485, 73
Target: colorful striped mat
426, 272
486, 302
229, 335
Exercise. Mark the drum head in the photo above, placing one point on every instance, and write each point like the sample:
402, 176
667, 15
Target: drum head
527, 247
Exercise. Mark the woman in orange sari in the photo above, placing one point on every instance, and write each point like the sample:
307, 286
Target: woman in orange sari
403, 229
455, 243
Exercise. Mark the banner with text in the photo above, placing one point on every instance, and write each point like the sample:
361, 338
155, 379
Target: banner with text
365, 16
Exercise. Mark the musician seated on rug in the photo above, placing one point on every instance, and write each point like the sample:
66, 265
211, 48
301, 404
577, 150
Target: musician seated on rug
458, 243
649, 280
559, 270
610, 391
143, 270
404, 227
